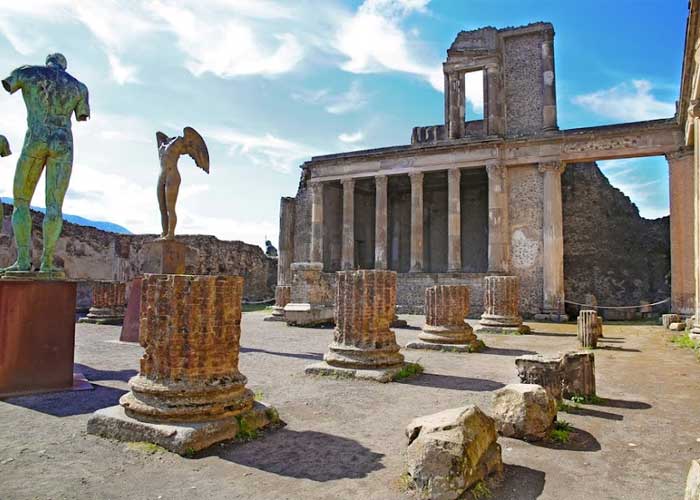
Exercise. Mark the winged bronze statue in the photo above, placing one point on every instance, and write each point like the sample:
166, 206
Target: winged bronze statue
169, 151
4, 146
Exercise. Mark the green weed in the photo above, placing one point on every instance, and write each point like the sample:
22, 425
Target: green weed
480, 490
408, 370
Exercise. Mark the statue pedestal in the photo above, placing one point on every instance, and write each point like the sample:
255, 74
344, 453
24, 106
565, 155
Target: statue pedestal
37, 336
130, 326
164, 257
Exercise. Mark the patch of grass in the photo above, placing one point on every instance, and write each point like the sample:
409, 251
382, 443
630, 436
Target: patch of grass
145, 447
480, 490
273, 415
189, 453
246, 432
405, 482
256, 307
259, 395
684, 341
565, 407
561, 432
408, 370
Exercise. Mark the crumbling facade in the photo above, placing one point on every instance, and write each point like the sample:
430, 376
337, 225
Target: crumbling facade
468, 198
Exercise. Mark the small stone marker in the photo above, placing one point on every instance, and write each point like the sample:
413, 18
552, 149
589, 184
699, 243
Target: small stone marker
524, 411
501, 304
189, 393
589, 328
446, 306
108, 303
667, 319
451, 451
363, 345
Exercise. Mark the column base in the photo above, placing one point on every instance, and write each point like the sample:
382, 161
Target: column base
183, 438
308, 314
505, 330
553, 317
103, 316
476, 346
277, 314
383, 375
695, 333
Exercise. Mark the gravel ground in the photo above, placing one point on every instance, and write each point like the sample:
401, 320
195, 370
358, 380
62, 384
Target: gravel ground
345, 439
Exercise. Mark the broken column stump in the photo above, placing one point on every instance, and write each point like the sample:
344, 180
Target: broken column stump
578, 374
363, 345
589, 328
564, 376
108, 303
541, 370
189, 393
501, 304
309, 303
283, 295
445, 329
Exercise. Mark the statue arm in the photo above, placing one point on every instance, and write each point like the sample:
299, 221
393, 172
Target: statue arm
13, 82
4, 146
82, 109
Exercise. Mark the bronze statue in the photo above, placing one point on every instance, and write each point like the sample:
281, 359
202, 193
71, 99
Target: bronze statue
4, 146
51, 96
169, 151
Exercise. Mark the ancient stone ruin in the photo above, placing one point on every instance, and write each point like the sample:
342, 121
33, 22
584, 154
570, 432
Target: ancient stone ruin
446, 307
501, 306
363, 345
524, 411
108, 303
589, 328
564, 376
190, 330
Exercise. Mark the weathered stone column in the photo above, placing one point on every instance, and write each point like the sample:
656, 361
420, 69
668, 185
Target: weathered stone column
381, 222
363, 345
499, 241
454, 221
588, 328
445, 329
416, 222
285, 259
549, 99
553, 244
694, 115
681, 186
348, 252
316, 249
501, 303
454, 105
494, 107
108, 303
189, 377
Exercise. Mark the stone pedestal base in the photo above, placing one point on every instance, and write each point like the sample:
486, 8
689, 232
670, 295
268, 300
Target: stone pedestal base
695, 333
179, 437
382, 375
103, 316
32, 275
131, 325
475, 346
448, 339
553, 317
277, 314
506, 330
282, 297
308, 314
37, 335
164, 257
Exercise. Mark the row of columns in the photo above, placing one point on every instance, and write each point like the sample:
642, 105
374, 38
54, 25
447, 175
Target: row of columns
499, 233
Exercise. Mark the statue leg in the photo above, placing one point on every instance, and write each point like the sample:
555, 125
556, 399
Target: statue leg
58, 172
172, 188
162, 205
26, 178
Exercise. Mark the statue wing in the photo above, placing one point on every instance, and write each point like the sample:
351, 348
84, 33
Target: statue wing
197, 148
161, 138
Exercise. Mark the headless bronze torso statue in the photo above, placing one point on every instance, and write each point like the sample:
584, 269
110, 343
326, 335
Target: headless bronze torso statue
51, 96
169, 151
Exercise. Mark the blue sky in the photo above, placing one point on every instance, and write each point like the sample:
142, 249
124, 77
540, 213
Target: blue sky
269, 83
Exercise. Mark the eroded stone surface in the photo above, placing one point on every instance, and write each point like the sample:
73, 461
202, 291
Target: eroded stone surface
108, 303
450, 451
446, 306
524, 411
501, 302
563, 376
589, 328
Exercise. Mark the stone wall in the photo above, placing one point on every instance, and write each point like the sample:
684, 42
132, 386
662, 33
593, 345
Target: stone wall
523, 83
610, 251
89, 254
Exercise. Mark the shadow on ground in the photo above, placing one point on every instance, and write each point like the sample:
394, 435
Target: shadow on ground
579, 440
310, 455
590, 412
501, 351
314, 356
538, 333
453, 382
520, 483
69, 403
94, 375
621, 403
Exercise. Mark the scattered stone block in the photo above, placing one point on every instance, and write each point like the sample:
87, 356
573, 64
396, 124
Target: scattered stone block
524, 411
310, 303
189, 392
446, 306
578, 374
690, 323
589, 328
677, 327
363, 344
108, 303
667, 319
451, 451
501, 304
692, 485
543, 371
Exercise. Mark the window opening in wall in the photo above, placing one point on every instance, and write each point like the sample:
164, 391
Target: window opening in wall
474, 96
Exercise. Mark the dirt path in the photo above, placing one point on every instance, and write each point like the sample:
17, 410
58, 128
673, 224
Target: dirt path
344, 439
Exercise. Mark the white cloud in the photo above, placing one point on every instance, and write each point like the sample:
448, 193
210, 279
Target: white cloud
352, 138
373, 41
264, 150
352, 100
122, 73
629, 101
627, 176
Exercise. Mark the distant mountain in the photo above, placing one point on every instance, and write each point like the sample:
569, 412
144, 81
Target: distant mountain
82, 221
